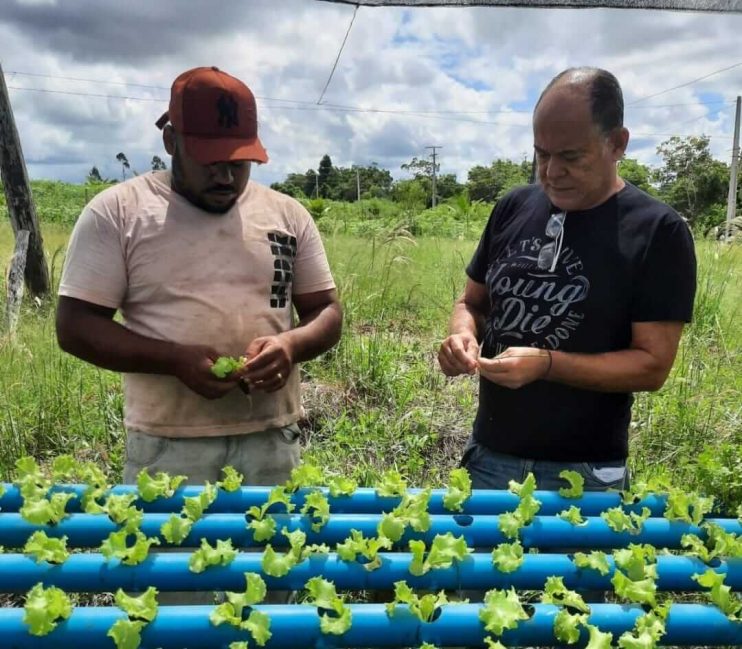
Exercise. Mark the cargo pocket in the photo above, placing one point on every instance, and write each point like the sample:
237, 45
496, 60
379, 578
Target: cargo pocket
290, 434
143, 450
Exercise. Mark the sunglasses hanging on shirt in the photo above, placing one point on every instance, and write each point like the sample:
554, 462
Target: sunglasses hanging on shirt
548, 256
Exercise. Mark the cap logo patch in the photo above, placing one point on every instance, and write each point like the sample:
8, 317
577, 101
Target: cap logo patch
227, 107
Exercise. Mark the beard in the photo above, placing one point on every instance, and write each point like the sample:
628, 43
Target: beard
198, 199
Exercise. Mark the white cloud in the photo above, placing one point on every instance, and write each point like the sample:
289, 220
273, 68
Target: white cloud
477, 61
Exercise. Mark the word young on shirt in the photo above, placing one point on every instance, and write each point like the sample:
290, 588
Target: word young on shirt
533, 306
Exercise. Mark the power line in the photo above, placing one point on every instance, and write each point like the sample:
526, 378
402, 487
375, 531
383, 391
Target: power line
713, 137
101, 81
528, 111
713, 102
305, 105
691, 120
687, 83
126, 83
309, 106
156, 99
401, 111
337, 58
330, 107
87, 94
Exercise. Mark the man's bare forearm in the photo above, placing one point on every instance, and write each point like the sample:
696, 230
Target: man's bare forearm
628, 370
108, 344
316, 332
89, 332
465, 319
643, 367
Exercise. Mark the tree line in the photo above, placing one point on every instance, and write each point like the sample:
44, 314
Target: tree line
689, 179
94, 175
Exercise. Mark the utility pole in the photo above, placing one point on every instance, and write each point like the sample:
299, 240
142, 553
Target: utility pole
316, 185
532, 177
433, 155
18, 196
358, 185
732, 198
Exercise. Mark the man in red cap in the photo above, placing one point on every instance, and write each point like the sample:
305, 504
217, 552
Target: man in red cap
201, 262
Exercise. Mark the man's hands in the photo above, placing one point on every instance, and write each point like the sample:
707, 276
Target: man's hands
459, 354
268, 367
514, 368
269, 364
192, 366
89, 331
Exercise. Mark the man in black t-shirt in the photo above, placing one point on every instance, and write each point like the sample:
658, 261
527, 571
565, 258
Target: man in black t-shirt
578, 292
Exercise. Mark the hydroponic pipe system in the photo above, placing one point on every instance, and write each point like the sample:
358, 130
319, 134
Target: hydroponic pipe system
457, 625
364, 500
545, 532
170, 572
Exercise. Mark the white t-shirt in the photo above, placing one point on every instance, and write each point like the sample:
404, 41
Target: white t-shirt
181, 274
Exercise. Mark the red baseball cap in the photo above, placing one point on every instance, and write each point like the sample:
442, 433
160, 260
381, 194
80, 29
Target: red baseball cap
216, 115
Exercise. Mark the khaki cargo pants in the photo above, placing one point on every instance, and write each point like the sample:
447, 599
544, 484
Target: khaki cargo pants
264, 458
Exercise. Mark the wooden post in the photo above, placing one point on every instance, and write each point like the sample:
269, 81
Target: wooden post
15, 280
18, 196
732, 197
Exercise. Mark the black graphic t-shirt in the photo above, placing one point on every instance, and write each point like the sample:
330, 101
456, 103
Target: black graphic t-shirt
630, 259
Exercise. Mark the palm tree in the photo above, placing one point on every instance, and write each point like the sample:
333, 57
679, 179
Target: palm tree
124, 164
462, 208
157, 163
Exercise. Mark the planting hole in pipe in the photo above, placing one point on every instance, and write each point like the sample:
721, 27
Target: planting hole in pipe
360, 559
329, 612
436, 614
463, 520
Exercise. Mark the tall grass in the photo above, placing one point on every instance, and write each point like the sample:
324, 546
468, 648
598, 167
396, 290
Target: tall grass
700, 406
391, 406
51, 403
57, 202
378, 399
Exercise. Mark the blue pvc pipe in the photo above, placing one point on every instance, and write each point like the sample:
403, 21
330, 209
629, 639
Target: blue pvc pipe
457, 625
363, 501
85, 530
169, 572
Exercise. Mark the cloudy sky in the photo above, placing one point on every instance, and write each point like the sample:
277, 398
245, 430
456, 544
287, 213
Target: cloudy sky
88, 80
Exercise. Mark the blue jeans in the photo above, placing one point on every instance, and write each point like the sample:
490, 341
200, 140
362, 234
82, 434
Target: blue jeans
491, 470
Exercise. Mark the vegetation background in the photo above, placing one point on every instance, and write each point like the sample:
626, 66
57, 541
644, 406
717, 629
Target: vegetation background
378, 399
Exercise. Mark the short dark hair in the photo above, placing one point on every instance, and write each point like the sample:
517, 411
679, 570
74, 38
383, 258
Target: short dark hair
604, 91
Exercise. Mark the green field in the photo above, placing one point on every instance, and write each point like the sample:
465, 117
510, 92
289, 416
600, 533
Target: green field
379, 399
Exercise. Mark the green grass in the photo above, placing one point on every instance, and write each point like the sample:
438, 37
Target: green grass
700, 406
378, 399
57, 202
